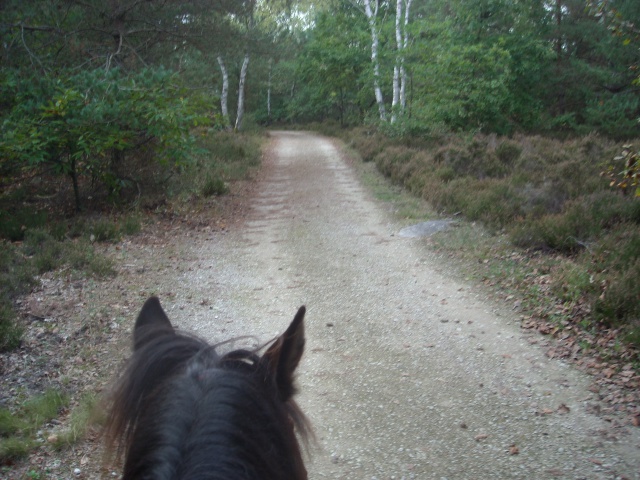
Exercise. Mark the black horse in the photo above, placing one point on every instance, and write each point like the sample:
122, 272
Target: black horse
183, 411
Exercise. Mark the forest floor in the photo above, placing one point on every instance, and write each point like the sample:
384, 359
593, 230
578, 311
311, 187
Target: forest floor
410, 371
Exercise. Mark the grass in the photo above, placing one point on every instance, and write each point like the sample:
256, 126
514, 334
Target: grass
39, 252
86, 414
18, 430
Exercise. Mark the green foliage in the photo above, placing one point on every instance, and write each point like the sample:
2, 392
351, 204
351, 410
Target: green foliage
472, 87
14, 222
332, 68
627, 176
89, 123
87, 413
104, 230
17, 430
495, 66
619, 252
214, 186
10, 331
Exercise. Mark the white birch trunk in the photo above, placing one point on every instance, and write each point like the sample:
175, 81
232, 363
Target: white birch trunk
224, 95
405, 45
243, 77
398, 66
371, 16
269, 91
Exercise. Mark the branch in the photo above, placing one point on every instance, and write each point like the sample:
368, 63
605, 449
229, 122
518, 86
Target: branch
24, 43
21, 26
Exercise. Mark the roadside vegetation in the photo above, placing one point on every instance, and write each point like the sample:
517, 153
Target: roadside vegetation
553, 228
45, 236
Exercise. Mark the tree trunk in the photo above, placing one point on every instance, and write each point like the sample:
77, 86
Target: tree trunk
224, 95
395, 101
73, 173
243, 77
269, 92
371, 16
405, 45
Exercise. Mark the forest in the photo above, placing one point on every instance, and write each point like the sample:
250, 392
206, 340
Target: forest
520, 114
518, 117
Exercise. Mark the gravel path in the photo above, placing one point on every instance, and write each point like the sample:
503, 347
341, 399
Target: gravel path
408, 373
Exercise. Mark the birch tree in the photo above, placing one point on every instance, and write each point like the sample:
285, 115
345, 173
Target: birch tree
405, 45
372, 15
224, 95
243, 77
399, 101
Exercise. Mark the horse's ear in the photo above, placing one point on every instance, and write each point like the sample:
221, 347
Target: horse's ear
284, 355
151, 322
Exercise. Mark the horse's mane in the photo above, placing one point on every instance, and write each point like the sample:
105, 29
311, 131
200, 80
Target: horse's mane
178, 394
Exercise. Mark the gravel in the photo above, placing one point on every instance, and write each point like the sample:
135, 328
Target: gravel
408, 373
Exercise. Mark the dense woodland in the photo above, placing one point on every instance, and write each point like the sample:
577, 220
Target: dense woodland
128, 71
460, 101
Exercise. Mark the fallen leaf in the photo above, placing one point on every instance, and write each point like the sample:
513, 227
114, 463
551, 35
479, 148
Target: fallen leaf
563, 409
481, 436
514, 450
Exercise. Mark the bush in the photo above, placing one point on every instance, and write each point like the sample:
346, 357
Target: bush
214, 186
508, 152
17, 430
104, 230
616, 259
10, 331
14, 223
582, 222
89, 123
367, 143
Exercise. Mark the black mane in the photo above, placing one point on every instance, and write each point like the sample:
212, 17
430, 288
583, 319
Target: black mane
183, 411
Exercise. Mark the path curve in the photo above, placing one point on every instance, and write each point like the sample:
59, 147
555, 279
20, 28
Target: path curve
408, 373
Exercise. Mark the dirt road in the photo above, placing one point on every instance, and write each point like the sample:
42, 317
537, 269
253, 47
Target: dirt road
408, 373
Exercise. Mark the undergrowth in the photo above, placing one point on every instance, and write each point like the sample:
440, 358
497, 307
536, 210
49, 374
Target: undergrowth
19, 430
37, 234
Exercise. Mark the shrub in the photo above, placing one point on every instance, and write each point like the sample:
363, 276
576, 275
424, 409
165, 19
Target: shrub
214, 185
10, 331
620, 301
87, 123
367, 143
14, 223
105, 230
17, 430
508, 152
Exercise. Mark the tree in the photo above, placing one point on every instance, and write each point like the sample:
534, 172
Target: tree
372, 17
399, 102
332, 68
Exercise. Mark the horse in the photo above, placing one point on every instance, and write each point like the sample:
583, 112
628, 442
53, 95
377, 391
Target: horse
181, 410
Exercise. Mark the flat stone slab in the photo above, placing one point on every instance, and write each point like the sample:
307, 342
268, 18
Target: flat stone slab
425, 229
